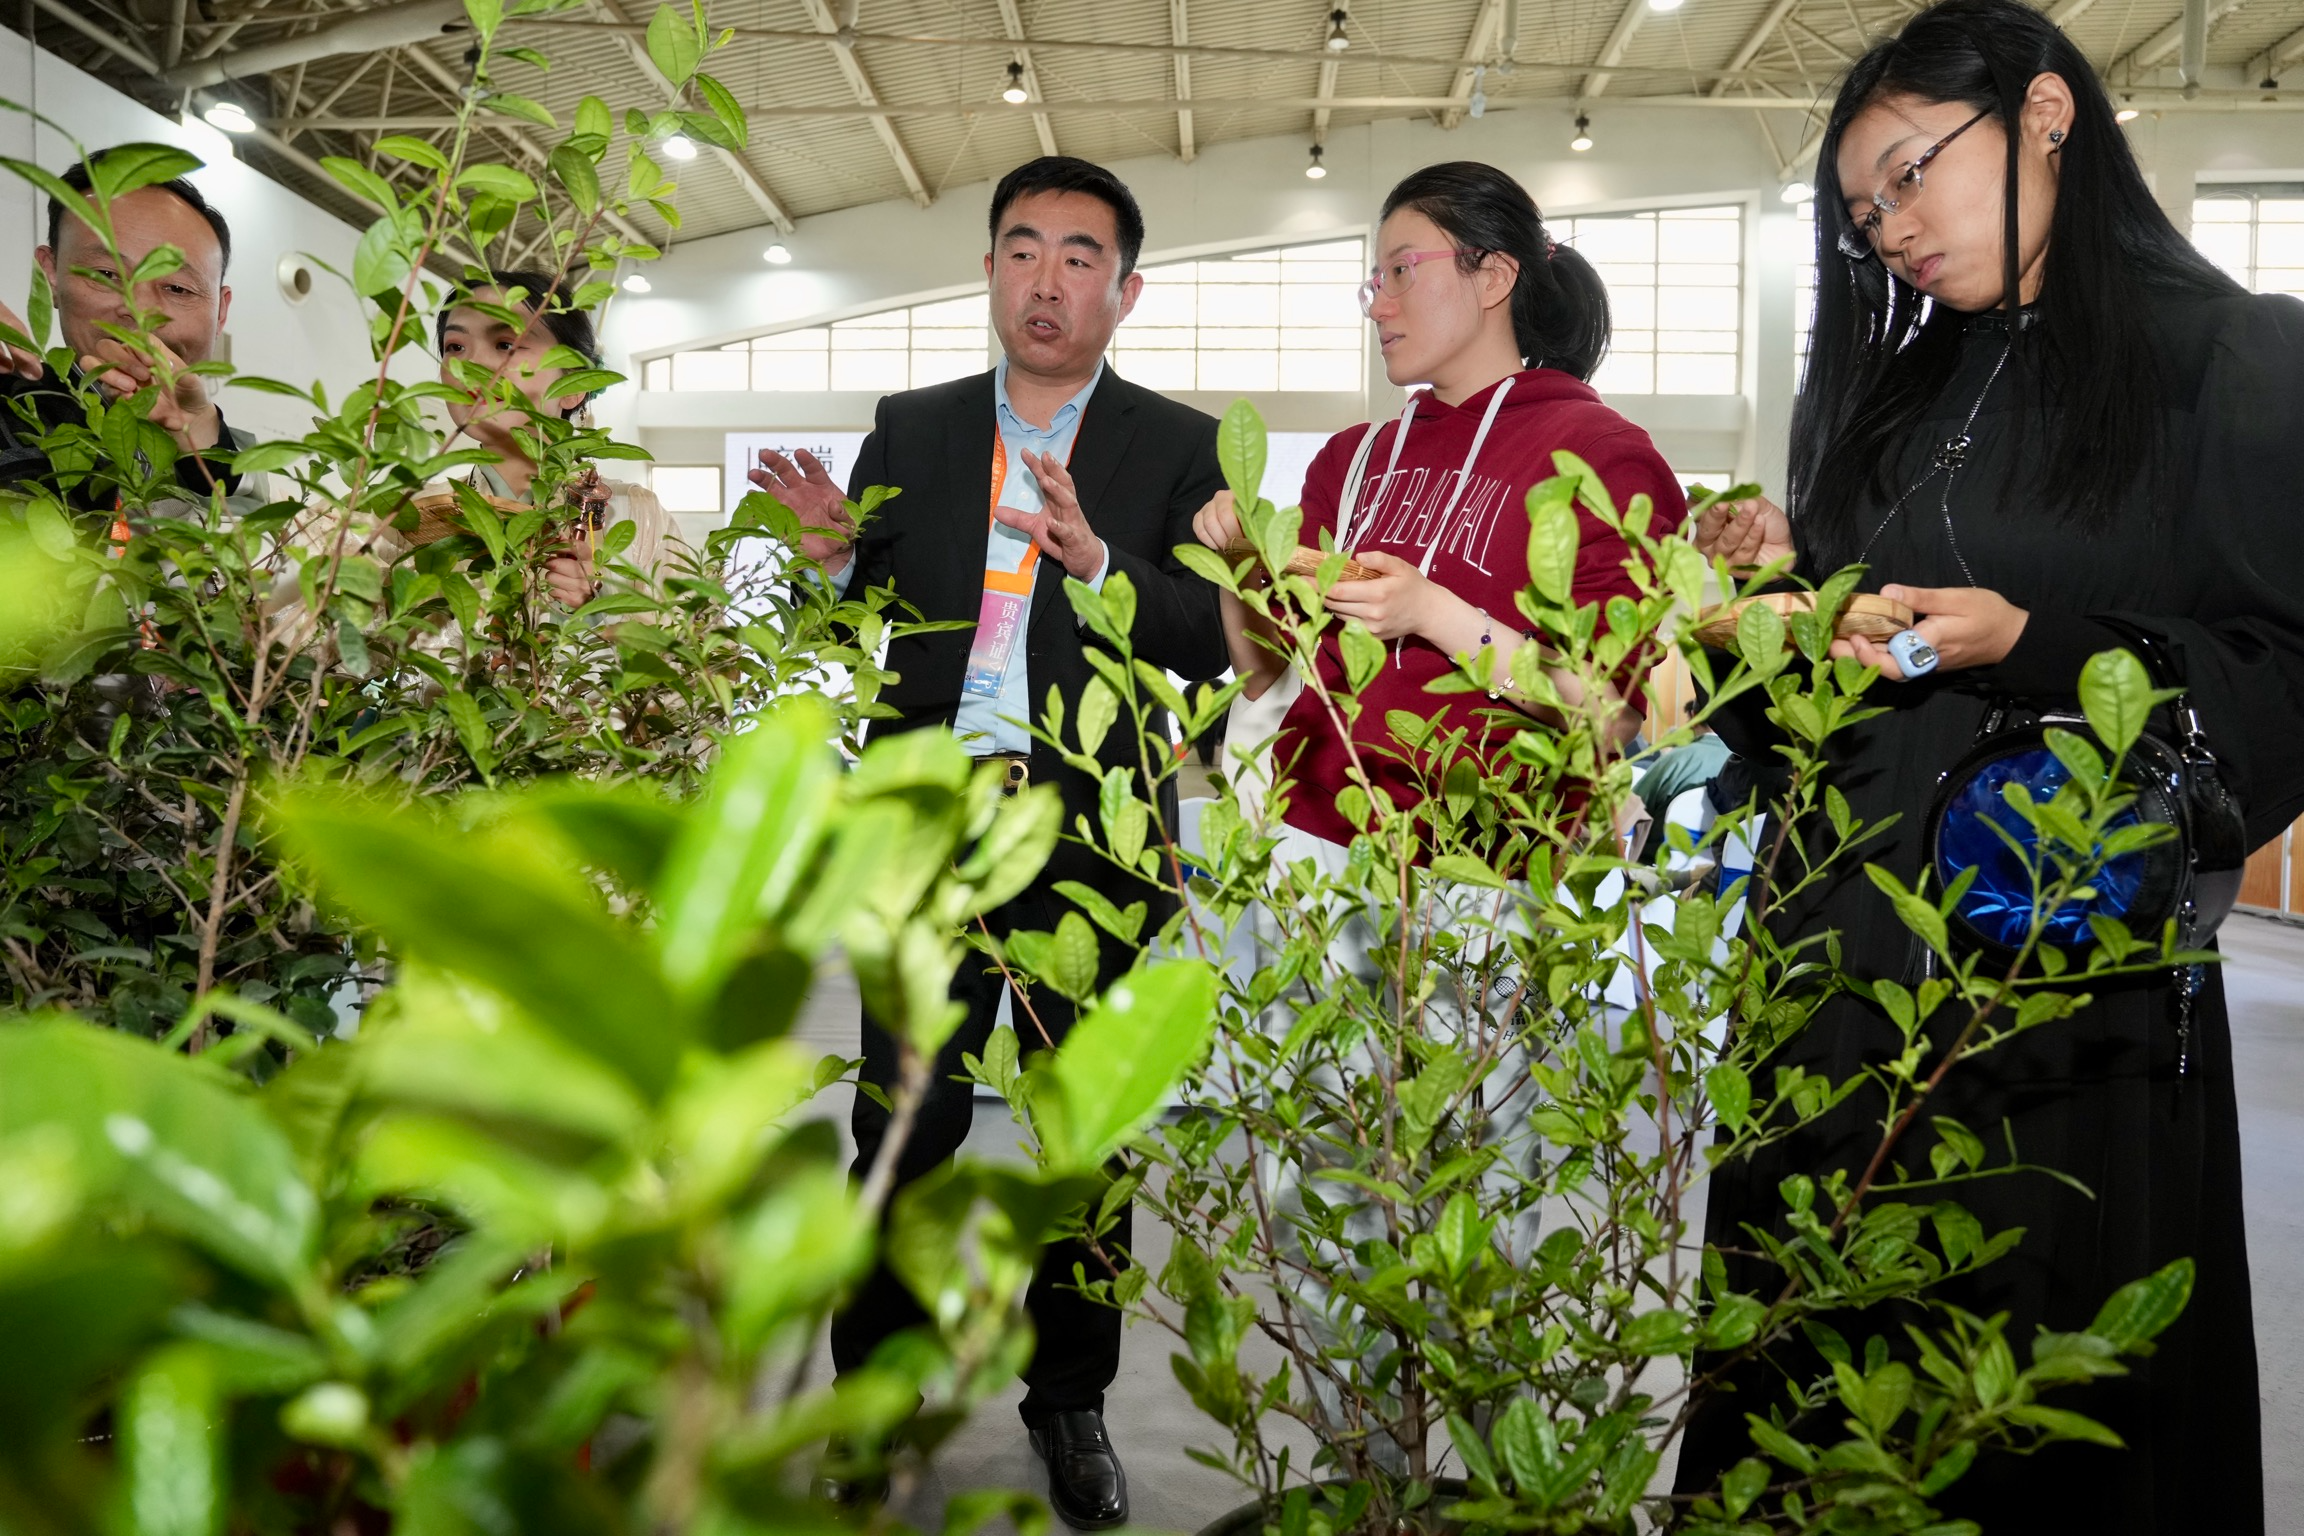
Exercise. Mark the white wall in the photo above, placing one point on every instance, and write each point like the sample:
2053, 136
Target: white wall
1233, 194
322, 339
2181, 150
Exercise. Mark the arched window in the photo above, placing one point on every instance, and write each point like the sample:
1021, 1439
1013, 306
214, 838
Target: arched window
1283, 319
1675, 281
896, 349
2256, 233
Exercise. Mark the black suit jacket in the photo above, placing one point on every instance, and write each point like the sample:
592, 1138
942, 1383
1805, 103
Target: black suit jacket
1142, 465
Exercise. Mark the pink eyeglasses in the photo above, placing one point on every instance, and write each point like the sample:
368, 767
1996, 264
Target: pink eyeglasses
1396, 275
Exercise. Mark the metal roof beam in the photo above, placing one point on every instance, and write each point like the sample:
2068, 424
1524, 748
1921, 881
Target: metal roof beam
1012, 22
739, 166
1180, 32
843, 41
1612, 52
2167, 40
1477, 45
446, 77
365, 32
2280, 53
1754, 41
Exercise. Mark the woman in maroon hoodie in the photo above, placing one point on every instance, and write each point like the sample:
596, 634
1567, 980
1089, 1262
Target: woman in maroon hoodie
1471, 298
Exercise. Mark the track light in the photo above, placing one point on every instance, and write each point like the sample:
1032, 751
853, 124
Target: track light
1583, 139
678, 146
1337, 40
1798, 192
2126, 115
1315, 170
777, 255
1015, 95
635, 283
1477, 105
229, 116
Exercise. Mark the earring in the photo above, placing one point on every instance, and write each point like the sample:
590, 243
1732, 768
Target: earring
2055, 135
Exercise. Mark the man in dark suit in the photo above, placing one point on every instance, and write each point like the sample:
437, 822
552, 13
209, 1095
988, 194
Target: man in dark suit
1048, 467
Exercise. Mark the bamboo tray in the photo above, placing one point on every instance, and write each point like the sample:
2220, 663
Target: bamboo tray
1305, 562
1867, 616
439, 517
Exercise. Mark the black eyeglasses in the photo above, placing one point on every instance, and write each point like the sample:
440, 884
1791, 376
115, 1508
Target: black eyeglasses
1860, 238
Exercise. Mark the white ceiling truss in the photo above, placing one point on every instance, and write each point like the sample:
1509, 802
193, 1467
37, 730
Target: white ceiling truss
855, 101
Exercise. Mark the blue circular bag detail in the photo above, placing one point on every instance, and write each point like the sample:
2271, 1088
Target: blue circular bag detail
1999, 904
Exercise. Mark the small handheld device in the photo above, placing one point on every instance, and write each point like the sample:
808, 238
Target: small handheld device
1913, 653
587, 495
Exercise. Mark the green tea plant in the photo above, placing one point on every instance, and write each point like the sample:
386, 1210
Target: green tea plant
153, 691
1431, 1189
601, 1126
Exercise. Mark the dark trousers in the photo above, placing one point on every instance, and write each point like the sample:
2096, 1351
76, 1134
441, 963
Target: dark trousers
1078, 1349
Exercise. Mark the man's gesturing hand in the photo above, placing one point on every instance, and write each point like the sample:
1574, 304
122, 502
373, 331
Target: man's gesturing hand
1060, 528
815, 500
182, 408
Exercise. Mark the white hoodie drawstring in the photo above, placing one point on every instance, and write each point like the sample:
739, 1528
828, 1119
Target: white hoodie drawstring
1464, 475
1455, 497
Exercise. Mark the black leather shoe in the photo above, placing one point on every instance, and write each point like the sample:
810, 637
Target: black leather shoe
842, 1486
1085, 1483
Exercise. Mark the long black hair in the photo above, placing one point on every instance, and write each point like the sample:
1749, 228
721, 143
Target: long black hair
1559, 304
1879, 356
551, 300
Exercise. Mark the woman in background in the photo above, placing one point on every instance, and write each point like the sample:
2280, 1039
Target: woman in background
470, 335
2031, 404
1472, 299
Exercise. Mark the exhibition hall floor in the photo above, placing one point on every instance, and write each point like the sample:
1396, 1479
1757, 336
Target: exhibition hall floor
1152, 1421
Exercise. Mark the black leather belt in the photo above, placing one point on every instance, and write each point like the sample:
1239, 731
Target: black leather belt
1015, 769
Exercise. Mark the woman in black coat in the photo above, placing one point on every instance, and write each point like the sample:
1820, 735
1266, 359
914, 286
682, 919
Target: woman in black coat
2031, 406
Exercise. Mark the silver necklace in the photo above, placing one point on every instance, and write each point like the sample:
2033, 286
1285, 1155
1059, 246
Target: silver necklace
1949, 456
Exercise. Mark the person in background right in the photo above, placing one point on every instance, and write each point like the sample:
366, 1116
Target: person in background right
2031, 407
1676, 771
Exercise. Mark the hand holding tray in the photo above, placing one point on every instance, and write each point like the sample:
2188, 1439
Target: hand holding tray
1868, 615
1305, 562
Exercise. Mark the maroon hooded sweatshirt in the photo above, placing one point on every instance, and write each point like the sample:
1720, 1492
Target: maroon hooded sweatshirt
1482, 557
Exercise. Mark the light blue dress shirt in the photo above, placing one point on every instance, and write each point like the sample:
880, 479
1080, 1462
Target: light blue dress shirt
989, 725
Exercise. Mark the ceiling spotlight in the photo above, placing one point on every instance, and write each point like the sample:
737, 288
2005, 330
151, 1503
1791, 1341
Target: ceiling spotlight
678, 146
1798, 192
635, 283
1315, 170
1015, 95
1583, 139
777, 255
1477, 105
2268, 84
1337, 40
1665, 7
229, 116
2126, 115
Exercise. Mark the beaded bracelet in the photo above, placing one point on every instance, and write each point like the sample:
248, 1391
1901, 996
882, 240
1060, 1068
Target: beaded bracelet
1487, 639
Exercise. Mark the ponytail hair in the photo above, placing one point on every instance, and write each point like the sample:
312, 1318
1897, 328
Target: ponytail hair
1559, 304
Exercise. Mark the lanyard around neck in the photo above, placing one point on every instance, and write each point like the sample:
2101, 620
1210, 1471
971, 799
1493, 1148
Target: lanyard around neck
1020, 579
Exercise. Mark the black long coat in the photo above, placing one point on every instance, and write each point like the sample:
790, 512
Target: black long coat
2215, 564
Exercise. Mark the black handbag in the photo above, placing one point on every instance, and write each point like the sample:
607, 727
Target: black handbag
2192, 878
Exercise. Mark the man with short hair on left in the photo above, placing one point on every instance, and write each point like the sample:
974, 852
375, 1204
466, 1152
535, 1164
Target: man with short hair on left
192, 303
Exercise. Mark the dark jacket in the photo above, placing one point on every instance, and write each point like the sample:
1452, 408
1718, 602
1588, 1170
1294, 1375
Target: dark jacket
51, 409
1142, 465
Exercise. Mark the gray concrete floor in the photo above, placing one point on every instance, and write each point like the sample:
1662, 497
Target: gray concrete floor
1152, 1421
